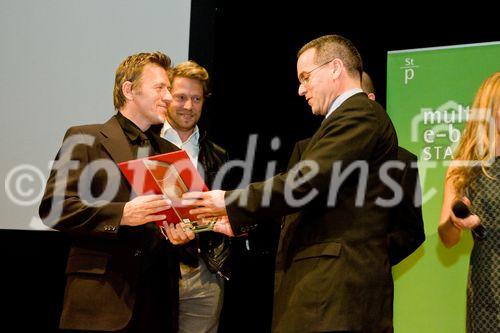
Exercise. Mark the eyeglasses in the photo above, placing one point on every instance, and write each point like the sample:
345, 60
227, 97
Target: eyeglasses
306, 76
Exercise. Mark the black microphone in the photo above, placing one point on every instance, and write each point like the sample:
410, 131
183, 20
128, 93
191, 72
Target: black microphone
462, 211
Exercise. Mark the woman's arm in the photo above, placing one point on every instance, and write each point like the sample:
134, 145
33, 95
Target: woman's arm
450, 227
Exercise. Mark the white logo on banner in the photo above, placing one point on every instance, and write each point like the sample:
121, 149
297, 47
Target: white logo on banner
409, 69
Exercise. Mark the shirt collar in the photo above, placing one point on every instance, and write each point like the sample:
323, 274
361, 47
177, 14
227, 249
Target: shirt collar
131, 130
341, 99
168, 130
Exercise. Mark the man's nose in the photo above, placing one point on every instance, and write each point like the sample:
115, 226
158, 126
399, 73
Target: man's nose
167, 97
189, 104
302, 90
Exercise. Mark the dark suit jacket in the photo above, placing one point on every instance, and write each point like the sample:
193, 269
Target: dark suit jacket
107, 263
332, 268
406, 229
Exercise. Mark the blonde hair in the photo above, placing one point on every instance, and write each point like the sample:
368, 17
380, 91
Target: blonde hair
191, 70
476, 143
131, 70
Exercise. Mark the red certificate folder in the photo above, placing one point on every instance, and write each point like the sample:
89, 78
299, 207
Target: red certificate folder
170, 174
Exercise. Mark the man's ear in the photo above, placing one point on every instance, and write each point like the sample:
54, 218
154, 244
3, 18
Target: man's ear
337, 68
127, 90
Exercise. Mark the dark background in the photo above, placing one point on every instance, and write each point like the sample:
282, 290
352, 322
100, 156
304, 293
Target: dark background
250, 50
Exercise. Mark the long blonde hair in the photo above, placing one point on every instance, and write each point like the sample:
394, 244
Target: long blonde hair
478, 142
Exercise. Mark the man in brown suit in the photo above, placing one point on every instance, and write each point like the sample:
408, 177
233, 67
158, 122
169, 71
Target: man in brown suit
121, 272
333, 272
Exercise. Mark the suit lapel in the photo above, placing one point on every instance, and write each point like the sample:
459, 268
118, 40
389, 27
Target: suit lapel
317, 135
165, 146
114, 141
290, 221
117, 146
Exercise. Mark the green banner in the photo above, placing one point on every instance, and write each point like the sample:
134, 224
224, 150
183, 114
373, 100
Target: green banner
429, 94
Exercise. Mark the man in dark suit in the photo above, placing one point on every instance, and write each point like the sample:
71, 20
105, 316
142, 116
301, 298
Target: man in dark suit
333, 272
406, 230
121, 274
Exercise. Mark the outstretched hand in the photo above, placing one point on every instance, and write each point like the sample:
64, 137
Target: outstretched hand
209, 204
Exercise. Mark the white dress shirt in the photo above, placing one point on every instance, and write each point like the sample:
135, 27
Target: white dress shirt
341, 99
191, 146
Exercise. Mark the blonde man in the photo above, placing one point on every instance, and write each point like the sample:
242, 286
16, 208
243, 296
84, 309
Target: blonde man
119, 265
203, 261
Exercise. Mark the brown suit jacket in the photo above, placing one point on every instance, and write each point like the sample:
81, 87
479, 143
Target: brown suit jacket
108, 264
332, 269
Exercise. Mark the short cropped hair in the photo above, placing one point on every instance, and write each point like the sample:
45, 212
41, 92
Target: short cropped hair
334, 46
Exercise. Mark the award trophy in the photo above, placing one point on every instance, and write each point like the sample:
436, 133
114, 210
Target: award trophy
173, 187
170, 174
